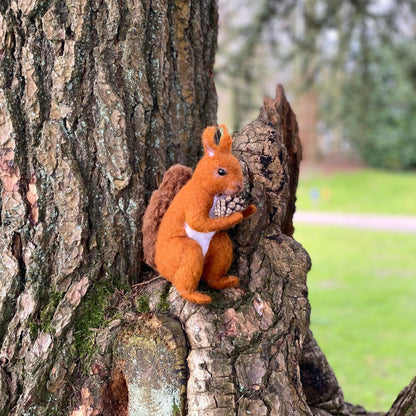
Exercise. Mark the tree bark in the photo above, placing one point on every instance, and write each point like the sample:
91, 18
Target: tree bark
97, 99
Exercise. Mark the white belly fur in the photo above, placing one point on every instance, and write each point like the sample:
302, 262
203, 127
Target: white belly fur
203, 239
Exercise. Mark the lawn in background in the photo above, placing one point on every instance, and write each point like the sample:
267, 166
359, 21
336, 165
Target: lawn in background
362, 292
364, 190
362, 286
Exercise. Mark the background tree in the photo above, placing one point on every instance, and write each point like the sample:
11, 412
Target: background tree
388, 139
327, 51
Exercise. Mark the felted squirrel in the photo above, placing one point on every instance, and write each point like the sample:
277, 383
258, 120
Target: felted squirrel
191, 242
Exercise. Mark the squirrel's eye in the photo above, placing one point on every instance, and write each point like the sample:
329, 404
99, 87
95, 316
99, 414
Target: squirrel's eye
222, 172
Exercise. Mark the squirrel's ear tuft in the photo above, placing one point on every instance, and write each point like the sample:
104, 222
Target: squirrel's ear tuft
208, 140
226, 141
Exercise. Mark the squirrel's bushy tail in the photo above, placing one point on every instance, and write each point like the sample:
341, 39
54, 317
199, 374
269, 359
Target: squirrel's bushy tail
173, 180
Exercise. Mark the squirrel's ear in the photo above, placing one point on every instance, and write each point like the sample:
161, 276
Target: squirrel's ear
226, 141
208, 140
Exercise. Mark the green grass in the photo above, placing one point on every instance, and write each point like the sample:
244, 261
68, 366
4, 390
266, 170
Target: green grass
366, 190
362, 284
362, 291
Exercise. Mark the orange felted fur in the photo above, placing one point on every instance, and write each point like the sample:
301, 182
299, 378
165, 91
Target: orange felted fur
191, 243
173, 180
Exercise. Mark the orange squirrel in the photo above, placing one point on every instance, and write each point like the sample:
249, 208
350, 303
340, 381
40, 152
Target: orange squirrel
190, 242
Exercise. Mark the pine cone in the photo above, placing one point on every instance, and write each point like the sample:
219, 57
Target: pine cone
227, 205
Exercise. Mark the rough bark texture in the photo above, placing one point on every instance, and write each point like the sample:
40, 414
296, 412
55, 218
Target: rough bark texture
149, 355
97, 99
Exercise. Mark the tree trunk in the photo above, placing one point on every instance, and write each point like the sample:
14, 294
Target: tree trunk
97, 99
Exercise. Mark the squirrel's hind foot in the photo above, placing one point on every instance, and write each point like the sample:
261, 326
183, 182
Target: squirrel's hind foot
196, 297
223, 282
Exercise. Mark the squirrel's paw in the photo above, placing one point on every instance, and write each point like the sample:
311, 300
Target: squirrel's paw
250, 210
196, 297
223, 282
